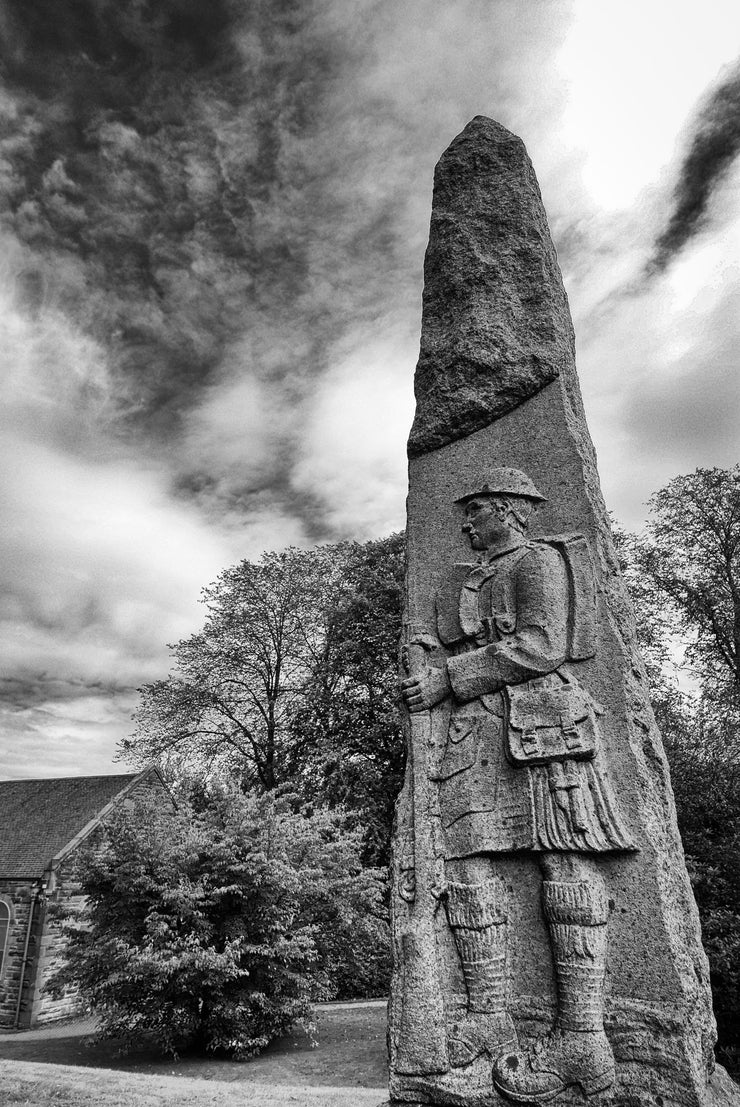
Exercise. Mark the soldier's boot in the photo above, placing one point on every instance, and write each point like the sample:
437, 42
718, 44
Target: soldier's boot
477, 916
576, 1052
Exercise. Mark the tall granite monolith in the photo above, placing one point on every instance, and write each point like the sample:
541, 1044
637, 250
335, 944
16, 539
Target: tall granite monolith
547, 944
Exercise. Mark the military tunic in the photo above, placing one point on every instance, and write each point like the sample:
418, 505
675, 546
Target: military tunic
505, 625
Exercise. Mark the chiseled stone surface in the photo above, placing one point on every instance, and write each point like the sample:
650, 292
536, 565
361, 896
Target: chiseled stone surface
496, 326
547, 943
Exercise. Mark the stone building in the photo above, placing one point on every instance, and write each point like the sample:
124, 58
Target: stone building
42, 825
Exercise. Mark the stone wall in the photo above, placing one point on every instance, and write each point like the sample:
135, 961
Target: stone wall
18, 895
46, 940
44, 1007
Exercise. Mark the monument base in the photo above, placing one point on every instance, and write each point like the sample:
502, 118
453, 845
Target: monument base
646, 1048
722, 1091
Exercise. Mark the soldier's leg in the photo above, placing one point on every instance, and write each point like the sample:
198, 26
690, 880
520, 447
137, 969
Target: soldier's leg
576, 908
477, 911
577, 1051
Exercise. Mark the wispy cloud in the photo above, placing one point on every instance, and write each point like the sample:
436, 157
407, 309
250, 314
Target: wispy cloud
714, 145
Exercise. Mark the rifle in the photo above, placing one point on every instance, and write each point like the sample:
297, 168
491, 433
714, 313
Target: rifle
422, 1041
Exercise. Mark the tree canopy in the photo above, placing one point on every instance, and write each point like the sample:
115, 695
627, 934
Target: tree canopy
691, 558
291, 683
216, 925
237, 683
684, 578
347, 732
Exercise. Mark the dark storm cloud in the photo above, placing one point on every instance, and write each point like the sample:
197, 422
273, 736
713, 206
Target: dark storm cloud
122, 160
171, 174
714, 145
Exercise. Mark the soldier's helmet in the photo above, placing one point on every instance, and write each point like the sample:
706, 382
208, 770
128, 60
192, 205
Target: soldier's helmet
503, 482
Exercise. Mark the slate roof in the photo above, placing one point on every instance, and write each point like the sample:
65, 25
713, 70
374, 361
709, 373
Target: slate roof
38, 818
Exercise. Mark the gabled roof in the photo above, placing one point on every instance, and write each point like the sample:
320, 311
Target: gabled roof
40, 819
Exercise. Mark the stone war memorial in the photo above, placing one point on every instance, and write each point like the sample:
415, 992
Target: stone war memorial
546, 941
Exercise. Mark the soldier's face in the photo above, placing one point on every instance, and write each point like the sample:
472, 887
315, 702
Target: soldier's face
484, 522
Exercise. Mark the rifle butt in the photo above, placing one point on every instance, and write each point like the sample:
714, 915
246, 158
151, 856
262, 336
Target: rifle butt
422, 1041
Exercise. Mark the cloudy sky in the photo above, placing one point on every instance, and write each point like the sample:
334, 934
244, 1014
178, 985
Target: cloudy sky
213, 225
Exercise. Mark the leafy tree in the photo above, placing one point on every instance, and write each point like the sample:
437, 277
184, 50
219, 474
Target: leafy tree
657, 631
236, 684
348, 730
705, 773
691, 558
292, 683
215, 929
684, 578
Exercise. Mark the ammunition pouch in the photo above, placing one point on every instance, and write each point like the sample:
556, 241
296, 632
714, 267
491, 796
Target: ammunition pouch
548, 721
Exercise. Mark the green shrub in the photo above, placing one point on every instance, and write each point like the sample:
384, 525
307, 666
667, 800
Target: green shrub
215, 929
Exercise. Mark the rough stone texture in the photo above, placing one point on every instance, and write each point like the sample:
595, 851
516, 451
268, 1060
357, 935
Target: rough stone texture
624, 973
496, 326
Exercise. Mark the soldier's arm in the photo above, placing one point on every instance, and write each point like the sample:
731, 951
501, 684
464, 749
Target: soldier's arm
538, 642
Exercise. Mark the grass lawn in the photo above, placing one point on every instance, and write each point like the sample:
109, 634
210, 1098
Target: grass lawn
33, 1084
345, 1066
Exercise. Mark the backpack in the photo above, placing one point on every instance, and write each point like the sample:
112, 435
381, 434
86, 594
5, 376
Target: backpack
574, 550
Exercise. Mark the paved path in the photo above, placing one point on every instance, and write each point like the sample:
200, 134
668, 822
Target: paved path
68, 1028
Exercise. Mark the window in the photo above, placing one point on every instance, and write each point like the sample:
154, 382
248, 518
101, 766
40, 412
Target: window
4, 928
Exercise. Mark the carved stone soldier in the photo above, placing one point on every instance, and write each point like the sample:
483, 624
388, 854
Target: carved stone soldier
522, 772
520, 791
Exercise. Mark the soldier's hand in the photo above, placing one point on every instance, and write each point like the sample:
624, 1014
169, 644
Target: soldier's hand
422, 691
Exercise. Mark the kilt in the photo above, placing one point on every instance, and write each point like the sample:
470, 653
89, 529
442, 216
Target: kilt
488, 805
